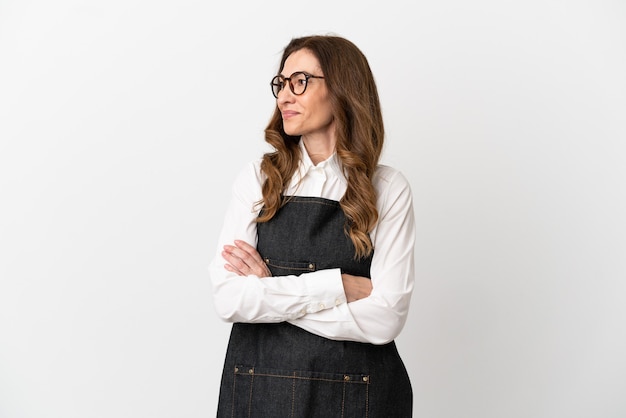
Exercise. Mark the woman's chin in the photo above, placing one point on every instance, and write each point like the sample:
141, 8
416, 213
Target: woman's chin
291, 132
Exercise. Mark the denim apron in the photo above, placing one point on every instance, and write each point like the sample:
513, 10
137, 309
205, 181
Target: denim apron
275, 370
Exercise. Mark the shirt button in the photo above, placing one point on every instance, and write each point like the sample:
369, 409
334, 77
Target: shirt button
322, 306
337, 302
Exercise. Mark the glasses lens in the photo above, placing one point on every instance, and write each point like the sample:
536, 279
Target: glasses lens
277, 85
298, 82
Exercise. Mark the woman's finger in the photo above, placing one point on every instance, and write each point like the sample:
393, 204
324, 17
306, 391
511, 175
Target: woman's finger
245, 259
232, 269
239, 253
235, 261
248, 249
251, 257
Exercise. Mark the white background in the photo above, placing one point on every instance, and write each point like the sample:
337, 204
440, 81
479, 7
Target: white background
122, 124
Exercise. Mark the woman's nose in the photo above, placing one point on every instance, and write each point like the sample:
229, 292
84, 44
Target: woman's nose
285, 95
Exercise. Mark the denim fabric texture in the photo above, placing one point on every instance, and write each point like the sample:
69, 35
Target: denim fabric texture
279, 370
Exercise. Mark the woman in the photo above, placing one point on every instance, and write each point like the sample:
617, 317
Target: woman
315, 259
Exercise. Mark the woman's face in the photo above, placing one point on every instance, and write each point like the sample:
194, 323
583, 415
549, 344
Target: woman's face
308, 114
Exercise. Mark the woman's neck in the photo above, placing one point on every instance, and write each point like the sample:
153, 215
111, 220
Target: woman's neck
319, 149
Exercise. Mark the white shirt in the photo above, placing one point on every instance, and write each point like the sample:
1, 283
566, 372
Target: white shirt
316, 301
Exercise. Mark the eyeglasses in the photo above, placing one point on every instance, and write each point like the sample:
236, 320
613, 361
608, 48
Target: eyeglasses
297, 83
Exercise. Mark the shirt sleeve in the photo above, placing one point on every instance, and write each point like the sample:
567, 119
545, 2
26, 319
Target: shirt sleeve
268, 299
380, 317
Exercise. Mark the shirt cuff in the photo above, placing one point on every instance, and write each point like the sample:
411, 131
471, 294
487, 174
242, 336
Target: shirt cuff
325, 290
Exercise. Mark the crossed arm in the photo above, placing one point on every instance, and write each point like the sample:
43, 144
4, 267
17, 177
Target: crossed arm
244, 260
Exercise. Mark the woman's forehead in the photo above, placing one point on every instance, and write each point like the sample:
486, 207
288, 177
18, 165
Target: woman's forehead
301, 60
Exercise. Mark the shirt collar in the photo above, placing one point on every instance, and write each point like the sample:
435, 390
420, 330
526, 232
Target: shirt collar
332, 163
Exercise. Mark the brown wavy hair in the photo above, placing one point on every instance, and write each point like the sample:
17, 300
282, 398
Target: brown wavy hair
359, 130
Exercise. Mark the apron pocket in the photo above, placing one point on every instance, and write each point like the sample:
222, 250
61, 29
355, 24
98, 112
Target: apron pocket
286, 268
266, 393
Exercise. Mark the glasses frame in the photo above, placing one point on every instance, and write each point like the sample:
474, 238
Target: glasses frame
276, 81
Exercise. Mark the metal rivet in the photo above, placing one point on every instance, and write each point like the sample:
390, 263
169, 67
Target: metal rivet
236, 369
311, 266
365, 378
251, 371
346, 378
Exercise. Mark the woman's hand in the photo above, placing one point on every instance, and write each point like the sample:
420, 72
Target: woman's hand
356, 287
243, 259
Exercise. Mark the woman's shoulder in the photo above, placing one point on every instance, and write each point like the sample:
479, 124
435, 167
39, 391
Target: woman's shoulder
251, 173
249, 181
393, 190
386, 176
